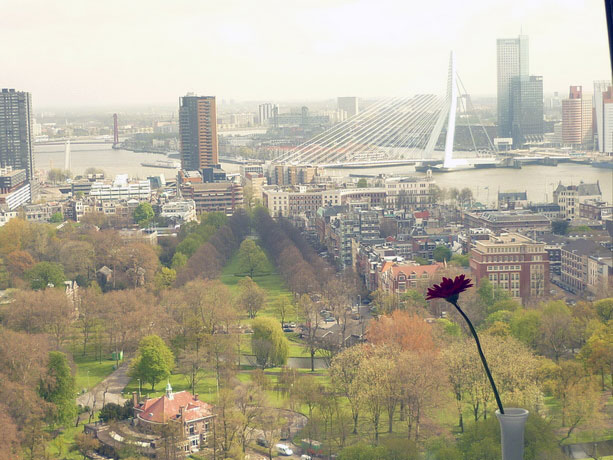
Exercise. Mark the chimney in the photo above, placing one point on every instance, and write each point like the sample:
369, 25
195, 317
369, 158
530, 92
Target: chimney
196, 396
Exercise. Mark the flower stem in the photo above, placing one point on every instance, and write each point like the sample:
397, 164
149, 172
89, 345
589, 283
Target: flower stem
483, 360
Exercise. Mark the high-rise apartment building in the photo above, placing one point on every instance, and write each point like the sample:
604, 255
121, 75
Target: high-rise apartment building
266, 112
349, 105
577, 128
512, 61
526, 109
15, 131
198, 132
603, 110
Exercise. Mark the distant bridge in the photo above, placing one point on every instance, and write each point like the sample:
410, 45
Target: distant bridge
76, 141
404, 129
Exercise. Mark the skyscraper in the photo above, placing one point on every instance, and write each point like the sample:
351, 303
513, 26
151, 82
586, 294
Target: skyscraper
512, 61
577, 129
15, 131
349, 105
603, 109
198, 132
266, 112
526, 109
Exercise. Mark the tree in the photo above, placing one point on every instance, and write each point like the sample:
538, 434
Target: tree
344, 373
407, 331
422, 377
56, 218
165, 278
312, 320
251, 259
371, 375
362, 183
58, 387
178, 260
441, 253
422, 260
143, 214
555, 330
78, 259
86, 444
308, 392
154, 362
465, 196
251, 297
19, 262
460, 260
559, 227
271, 425
604, 309
45, 274
191, 364
284, 308
525, 326
268, 342
92, 170
598, 352
58, 175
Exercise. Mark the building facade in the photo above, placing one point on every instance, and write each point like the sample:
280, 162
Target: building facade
225, 197
512, 61
603, 111
577, 127
15, 131
569, 197
526, 109
585, 265
512, 262
198, 132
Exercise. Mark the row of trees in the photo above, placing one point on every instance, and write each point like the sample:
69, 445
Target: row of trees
206, 248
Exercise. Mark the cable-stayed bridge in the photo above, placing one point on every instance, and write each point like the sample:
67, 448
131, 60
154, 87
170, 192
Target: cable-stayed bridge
393, 129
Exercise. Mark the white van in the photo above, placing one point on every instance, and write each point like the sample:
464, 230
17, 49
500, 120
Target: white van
284, 449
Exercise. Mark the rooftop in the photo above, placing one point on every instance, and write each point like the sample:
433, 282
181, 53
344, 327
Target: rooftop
168, 407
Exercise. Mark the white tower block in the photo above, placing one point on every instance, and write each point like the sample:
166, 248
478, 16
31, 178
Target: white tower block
67, 156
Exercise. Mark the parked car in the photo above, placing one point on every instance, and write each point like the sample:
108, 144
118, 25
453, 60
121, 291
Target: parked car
284, 449
292, 325
306, 457
329, 319
262, 442
287, 329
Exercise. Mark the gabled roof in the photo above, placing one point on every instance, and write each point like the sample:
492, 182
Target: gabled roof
165, 408
589, 189
408, 269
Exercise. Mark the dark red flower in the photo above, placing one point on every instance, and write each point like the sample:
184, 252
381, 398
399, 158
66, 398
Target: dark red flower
449, 289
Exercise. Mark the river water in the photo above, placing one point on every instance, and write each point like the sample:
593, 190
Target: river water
538, 181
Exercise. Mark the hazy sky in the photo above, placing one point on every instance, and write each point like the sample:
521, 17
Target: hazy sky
106, 52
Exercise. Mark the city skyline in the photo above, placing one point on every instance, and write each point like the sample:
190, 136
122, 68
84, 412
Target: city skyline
100, 55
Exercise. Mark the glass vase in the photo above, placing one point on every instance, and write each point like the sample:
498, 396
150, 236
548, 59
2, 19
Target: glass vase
512, 424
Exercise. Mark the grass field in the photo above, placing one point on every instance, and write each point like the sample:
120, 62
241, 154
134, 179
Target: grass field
90, 372
268, 279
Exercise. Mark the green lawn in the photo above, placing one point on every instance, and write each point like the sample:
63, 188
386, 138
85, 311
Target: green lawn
268, 279
90, 372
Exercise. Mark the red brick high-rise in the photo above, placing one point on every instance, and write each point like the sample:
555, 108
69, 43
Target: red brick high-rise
198, 132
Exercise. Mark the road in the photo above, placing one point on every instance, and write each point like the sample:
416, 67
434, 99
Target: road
109, 390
